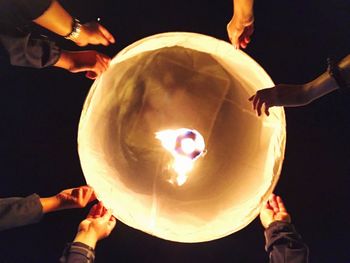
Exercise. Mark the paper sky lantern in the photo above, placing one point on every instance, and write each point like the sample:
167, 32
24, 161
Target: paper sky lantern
169, 140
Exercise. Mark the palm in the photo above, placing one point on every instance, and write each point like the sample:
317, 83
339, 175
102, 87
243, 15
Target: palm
84, 225
99, 221
274, 210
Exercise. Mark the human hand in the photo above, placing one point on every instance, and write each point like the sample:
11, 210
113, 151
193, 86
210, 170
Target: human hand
70, 198
239, 30
98, 224
344, 65
94, 63
274, 210
95, 34
281, 95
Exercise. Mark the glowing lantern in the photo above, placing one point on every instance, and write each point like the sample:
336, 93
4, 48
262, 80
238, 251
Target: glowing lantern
169, 141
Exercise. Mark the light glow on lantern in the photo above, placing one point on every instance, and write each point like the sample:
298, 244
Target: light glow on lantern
188, 145
170, 81
185, 146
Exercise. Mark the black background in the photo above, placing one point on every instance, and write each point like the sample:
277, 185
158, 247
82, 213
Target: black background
40, 110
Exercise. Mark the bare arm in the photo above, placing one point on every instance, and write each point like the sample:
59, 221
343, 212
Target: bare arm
325, 83
291, 95
59, 21
243, 8
70, 198
241, 26
56, 19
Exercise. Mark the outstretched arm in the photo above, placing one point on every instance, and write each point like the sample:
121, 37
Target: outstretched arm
58, 20
290, 95
25, 50
283, 243
241, 26
18, 211
69, 198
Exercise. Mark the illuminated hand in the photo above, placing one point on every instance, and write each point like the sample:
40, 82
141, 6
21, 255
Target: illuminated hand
89, 61
239, 31
281, 95
98, 224
95, 34
69, 198
274, 210
76, 197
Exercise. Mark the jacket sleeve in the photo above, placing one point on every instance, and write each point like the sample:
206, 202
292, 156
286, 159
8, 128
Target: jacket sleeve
22, 49
16, 211
78, 252
284, 244
16, 13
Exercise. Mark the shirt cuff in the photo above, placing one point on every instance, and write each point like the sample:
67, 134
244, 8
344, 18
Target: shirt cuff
279, 231
78, 250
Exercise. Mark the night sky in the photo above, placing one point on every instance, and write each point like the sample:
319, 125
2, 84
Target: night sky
40, 111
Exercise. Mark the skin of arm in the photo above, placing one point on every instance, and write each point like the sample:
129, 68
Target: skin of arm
56, 19
94, 63
59, 21
98, 225
241, 26
69, 198
290, 95
244, 9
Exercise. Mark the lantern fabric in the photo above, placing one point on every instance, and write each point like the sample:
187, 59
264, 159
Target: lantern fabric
181, 82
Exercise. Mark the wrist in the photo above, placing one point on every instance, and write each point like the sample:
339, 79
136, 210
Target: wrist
82, 38
87, 237
245, 18
307, 91
266, 224
74, 34
49, 204
65, 61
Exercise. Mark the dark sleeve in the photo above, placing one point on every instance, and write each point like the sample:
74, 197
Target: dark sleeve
22, 49
284, 244
16, 13
78, 252
16, 211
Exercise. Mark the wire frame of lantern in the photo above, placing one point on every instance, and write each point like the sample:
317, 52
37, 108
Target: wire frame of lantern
169, 141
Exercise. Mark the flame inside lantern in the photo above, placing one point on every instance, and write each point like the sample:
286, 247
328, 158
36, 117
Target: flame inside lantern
185, 146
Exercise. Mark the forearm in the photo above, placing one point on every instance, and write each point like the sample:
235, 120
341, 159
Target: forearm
17, 13
56, 19
65, 61
50, 204
320, 86
326, 83
243, 9
88, 237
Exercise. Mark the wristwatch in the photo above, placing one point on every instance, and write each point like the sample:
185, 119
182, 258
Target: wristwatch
76, 29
